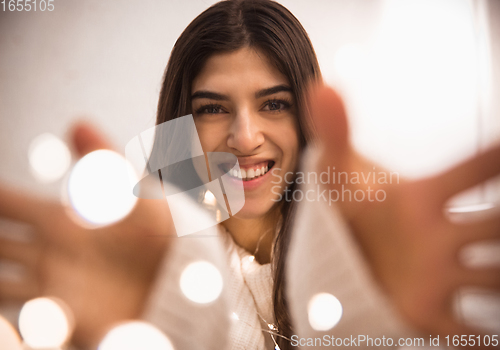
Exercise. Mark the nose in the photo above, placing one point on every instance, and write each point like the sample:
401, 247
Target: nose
245, 134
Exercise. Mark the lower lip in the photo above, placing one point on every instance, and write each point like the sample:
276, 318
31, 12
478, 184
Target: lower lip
255, 182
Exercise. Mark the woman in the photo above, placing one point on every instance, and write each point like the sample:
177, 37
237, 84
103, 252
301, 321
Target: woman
225, 51
242, 69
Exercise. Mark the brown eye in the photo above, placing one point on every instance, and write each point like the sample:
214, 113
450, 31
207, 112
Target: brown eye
276, 105
210, 109
214, 109
273, 106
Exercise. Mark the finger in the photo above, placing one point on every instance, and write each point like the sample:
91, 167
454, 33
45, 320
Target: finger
20, 206
478, 231
330, 120
22, 252
487, 278
468, 174
18, 290
87, 138
451, 332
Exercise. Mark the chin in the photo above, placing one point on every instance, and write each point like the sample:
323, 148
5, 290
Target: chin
255, 209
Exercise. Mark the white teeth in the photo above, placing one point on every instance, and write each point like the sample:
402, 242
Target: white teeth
250, 173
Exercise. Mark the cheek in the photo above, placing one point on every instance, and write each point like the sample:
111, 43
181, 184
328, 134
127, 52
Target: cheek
290, 144
212, 135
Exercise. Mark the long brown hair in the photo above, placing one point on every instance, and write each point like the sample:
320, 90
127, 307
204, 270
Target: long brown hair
228, 26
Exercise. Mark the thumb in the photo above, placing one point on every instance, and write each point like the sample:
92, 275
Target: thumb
330, 121
86, 138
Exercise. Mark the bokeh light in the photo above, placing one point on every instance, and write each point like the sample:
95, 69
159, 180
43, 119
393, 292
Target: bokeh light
99, 188
210, 199
201, 282
9, 338
324, 311
44, 323
135, 335
49, 158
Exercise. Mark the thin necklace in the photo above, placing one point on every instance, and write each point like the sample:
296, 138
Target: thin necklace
273, 329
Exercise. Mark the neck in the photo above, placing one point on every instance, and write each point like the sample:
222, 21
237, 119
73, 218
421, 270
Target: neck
255, 235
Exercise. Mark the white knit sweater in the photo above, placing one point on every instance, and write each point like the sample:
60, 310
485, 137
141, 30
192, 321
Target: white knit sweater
323, 257
236, 319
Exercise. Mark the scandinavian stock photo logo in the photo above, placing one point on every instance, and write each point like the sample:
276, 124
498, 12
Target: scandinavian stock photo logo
333, 186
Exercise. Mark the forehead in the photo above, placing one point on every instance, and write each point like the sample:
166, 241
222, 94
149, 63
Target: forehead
247, 68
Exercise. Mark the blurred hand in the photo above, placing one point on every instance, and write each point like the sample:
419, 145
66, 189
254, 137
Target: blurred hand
407, 239
104, 274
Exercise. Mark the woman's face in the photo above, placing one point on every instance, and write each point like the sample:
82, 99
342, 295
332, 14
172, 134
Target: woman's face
243, 105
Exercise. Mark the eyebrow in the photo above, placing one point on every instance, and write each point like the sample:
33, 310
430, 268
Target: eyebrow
210, 95
273, 90
220, 97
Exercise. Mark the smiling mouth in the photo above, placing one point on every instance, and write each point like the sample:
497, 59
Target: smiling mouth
249, 173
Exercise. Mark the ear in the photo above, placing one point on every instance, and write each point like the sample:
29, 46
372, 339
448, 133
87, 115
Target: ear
328, 114
86, 138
